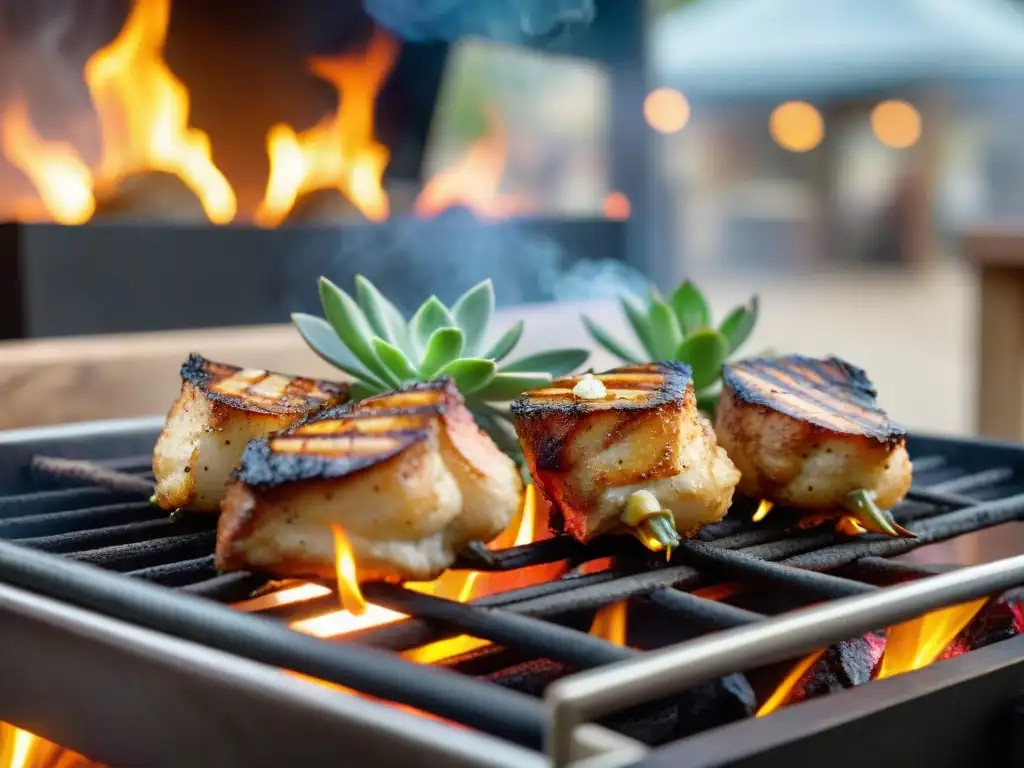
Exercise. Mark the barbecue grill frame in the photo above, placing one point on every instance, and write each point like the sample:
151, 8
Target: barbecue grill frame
109, 440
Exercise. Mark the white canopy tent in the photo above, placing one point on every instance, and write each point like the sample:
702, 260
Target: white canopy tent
748, 49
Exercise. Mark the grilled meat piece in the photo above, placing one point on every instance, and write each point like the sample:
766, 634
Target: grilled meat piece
408, 475
807, 433
590, 456
220, 409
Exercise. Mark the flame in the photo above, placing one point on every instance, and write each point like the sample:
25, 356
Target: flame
22, 749
610, 623
340, 151
781, 694
143, 112
474, 182
453, 585
59, 175
345, 567
917, 643
762, 510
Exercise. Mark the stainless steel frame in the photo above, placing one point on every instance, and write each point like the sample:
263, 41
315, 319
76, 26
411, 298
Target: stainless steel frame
69, 673
658, 674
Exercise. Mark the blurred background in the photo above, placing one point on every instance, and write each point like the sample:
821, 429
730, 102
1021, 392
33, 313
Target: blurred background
856, 163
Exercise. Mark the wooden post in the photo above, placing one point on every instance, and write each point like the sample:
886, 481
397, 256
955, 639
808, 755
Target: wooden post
998, 253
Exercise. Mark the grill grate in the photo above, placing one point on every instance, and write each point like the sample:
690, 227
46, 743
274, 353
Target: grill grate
88, 503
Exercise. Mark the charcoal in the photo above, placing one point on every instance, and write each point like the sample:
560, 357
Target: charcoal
705, 706
843, 665
1000, 619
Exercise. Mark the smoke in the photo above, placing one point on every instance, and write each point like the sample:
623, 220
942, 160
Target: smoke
509, 21
410, 259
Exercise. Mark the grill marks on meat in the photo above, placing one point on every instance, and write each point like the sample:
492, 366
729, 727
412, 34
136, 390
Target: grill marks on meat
219, 410
589, 456
408, 475
831, 393
806, 432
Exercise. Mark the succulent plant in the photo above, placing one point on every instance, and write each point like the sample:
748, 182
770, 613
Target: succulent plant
680, 327
368, 338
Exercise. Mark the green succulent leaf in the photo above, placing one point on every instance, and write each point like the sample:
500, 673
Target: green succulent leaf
360, 390
472, 313
691, 308
431, 316
506, 386
384, 317
609, 342
704, 351
638, 320
322, 339
352, 327
557, 362
495, 425
395, 360
501, 348
470, 373
665, 332
443, 346
739, 324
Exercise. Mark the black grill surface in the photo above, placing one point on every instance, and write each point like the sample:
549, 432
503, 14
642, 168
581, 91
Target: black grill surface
83, 496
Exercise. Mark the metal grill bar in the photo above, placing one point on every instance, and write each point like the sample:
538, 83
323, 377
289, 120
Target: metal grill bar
662, 673
768, 552
491, 709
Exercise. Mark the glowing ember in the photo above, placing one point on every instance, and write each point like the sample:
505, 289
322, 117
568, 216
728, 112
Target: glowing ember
59, 175
340, 152
918, 643
474, 182
610, 623
762, 510
143, 113
22, 749
781, 694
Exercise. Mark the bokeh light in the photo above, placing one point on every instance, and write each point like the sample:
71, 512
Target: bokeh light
796, 126
666, 110
896, 124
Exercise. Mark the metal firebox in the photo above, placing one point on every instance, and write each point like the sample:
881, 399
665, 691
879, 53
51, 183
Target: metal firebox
115, 641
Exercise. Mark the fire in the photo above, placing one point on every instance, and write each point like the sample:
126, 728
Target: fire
143, 112
781, 694
762, 510
474, 182
908, 646
21, 749
453, 585
340, 152
54, 167
918, 643
610, 623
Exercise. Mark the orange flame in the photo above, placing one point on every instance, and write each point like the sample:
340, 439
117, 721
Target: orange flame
474, 182
143, 112
21, 749
453, 585
762, 510
345, 567
914, 644
610, 623
917, 643
59, 175
340, 151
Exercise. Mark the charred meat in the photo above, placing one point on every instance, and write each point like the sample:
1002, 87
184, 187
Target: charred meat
626, 450
220, 409
408, 475
809, 434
